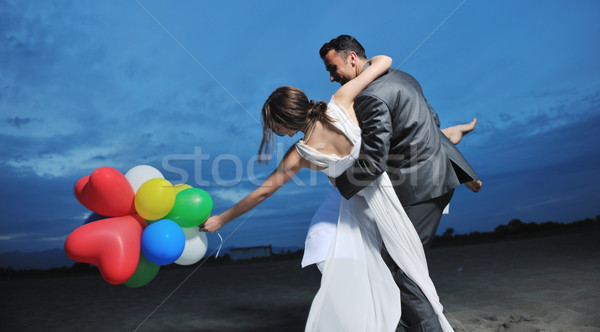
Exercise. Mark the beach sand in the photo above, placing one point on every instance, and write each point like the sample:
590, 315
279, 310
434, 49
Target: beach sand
544, 283
537, 284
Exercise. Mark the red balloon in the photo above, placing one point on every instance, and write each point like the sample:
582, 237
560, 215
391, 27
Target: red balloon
106, 192
112, 244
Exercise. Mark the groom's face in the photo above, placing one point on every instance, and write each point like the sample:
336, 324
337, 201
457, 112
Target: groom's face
339, 68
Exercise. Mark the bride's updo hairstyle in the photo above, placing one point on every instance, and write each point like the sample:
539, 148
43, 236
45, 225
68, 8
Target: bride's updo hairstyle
287, 107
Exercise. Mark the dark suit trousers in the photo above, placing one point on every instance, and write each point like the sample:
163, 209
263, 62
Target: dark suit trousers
417, 313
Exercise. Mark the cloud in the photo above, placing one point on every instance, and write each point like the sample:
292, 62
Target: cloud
230, 195
552, 93
544, 203
95, 104
83, 85
64, 164
505, 117
546, 117
17, 121
59, 239
8, 237
532, 175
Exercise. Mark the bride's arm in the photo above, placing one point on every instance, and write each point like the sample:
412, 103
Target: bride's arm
287, 168
346, 94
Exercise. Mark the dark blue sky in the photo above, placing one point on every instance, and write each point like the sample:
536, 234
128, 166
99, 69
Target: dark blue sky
87, 84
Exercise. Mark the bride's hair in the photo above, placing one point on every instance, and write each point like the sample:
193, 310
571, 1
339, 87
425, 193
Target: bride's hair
290, 108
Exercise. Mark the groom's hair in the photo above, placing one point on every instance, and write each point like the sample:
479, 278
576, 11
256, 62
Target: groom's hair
343, 44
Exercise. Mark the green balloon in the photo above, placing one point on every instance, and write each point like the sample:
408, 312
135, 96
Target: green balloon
144, 273
192, 207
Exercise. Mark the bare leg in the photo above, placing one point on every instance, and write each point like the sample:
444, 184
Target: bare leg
456, 133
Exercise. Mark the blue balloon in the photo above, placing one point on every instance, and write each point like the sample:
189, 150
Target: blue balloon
163, 242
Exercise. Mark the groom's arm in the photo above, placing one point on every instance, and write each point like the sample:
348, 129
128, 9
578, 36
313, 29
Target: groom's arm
434, 115
376, 124
432, 112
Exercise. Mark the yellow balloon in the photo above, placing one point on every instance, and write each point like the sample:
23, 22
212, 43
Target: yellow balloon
181, 187
154, 199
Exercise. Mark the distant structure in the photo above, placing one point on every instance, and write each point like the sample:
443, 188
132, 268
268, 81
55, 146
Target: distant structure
250, 252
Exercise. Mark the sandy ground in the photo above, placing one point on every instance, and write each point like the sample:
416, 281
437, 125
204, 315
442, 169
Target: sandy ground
547, 283
537, 284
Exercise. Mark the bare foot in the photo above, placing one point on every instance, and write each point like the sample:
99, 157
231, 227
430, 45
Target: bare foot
456, 133
474, 185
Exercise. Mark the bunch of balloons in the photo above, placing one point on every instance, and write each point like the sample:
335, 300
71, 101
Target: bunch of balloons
148, 223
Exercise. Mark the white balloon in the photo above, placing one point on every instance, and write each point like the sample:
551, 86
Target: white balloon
140, 174
196, 245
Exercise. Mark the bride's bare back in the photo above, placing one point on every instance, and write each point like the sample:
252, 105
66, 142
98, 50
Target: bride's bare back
329, 140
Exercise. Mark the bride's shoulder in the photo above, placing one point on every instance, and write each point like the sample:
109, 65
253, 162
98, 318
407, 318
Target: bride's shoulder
334, 104
332, 101
342, 111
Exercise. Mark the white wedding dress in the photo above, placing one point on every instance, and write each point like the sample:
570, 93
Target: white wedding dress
357, 290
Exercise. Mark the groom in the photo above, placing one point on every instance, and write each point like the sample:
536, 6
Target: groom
400, 136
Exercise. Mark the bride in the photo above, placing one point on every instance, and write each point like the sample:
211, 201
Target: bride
357, 290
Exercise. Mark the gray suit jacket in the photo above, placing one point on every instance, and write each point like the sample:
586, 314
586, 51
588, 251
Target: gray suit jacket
401, 136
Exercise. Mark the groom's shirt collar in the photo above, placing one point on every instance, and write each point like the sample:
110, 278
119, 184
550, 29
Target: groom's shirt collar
367, 64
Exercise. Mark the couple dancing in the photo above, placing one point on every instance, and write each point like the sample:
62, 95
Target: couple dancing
379, 140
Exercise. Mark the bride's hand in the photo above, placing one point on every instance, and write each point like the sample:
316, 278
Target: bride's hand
212, 224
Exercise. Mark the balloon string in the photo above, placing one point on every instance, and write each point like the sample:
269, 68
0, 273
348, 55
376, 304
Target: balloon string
191, 273
220, 245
